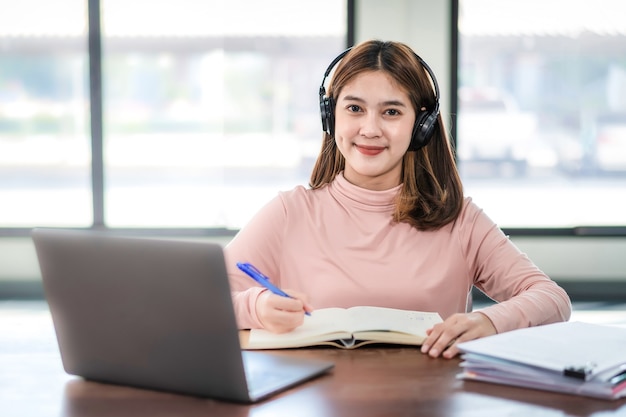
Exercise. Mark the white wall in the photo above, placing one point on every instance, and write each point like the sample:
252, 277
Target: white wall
423, 25
564, 259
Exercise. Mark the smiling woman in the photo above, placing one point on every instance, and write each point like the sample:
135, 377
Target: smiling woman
432, 192
385, 222
374, 117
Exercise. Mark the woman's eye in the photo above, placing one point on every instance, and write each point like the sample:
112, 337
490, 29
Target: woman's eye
392, 112
354, 108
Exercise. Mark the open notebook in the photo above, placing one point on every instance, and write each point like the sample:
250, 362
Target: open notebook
156, 314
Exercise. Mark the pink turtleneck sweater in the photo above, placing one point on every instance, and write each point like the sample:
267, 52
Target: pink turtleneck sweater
339, 246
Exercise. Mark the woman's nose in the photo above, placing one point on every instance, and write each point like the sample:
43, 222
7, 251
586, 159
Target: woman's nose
371, 126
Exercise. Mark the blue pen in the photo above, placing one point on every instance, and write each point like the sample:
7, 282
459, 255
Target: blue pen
258, 276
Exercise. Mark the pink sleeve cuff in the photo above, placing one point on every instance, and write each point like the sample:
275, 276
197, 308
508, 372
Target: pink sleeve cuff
244, 303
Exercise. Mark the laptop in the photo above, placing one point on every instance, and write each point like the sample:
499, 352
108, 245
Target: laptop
155, 314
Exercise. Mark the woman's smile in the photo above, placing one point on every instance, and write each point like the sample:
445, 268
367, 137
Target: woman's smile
369, 150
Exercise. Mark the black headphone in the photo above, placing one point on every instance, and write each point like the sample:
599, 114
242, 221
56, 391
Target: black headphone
425, 120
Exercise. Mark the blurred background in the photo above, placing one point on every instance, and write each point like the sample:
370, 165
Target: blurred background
184, 117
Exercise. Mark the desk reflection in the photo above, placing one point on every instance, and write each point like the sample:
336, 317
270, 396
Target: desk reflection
92, 399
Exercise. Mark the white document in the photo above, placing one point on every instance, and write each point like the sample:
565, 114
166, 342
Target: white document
572, 357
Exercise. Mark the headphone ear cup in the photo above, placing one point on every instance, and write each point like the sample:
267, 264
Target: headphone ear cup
327, 107
423, 129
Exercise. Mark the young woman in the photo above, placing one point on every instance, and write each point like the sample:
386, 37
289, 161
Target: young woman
385, 221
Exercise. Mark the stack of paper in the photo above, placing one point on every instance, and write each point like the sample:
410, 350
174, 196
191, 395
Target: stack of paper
572, 357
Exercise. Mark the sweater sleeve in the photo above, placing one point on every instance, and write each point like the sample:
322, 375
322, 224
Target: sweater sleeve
258, 242
525, 295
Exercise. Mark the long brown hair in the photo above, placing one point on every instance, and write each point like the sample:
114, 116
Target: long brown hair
432, 193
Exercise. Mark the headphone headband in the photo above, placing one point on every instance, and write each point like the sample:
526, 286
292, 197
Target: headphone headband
425, 121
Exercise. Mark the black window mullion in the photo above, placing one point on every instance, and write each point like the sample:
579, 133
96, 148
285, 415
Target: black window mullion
95, 99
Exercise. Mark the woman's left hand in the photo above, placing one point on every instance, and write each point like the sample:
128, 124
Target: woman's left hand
461, 327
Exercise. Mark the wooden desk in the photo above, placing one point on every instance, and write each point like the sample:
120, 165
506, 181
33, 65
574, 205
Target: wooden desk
365, 382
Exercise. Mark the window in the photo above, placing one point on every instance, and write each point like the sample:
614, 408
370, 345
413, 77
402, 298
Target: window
209, 108
541, 121
208, 116
44, 114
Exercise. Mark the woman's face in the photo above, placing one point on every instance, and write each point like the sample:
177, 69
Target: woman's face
373, 124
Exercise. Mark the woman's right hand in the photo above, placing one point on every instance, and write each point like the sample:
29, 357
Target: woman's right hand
280, 314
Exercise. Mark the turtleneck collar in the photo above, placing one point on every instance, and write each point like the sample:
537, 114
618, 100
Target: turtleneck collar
377, 200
